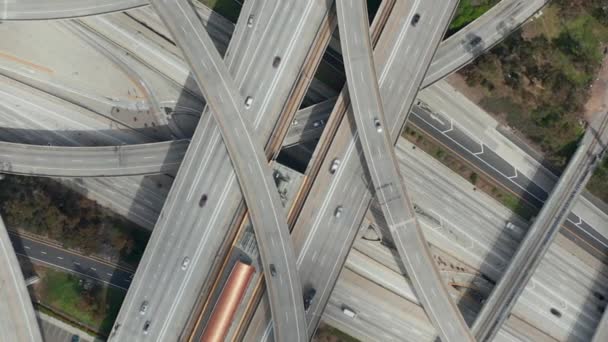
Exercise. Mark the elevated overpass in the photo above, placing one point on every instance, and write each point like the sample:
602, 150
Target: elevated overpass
17, 319
99, 161
43, 10
382, 168
543, 231
207, 223
249, 163
322, 240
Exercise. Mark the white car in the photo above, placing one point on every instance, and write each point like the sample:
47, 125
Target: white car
348, 312
250, 21
248, 101
143, 308
185, 263
338, 211
334, 166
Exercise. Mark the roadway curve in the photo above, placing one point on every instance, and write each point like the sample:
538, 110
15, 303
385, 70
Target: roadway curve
383, 169
61, 9
108, 161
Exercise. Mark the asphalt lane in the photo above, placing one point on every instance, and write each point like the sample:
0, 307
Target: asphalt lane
540, 235
504, 173
70, 261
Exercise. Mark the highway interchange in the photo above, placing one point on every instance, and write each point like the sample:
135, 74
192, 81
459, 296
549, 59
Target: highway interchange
262, 101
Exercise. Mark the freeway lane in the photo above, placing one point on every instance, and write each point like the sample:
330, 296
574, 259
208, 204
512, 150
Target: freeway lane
543, 231
99, 161
43, 9
69, 261
17, 319
184, 228
390, 192
322, 240
250, 165
490, 163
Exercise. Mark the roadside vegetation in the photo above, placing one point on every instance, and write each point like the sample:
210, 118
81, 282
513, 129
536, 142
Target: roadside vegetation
467, 11
46, 208
78, 300
538, 79
598, 184
479, 180
327, 333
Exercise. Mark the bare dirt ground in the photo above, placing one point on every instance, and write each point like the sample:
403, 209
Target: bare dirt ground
474, 94
598, 99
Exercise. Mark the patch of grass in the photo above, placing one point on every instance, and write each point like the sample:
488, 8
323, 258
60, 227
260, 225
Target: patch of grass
83, 300
229, 9
467, 11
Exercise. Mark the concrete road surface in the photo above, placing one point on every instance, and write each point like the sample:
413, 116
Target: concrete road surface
42, 9
250, 165
543, 230
383, 170
17, 320
194, 228
101, 161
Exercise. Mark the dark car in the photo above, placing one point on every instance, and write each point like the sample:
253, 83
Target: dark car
475, 41
276, 61
308, 297
415, 19
75, 338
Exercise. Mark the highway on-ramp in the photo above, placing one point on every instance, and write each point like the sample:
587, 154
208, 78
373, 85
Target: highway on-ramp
383, 170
